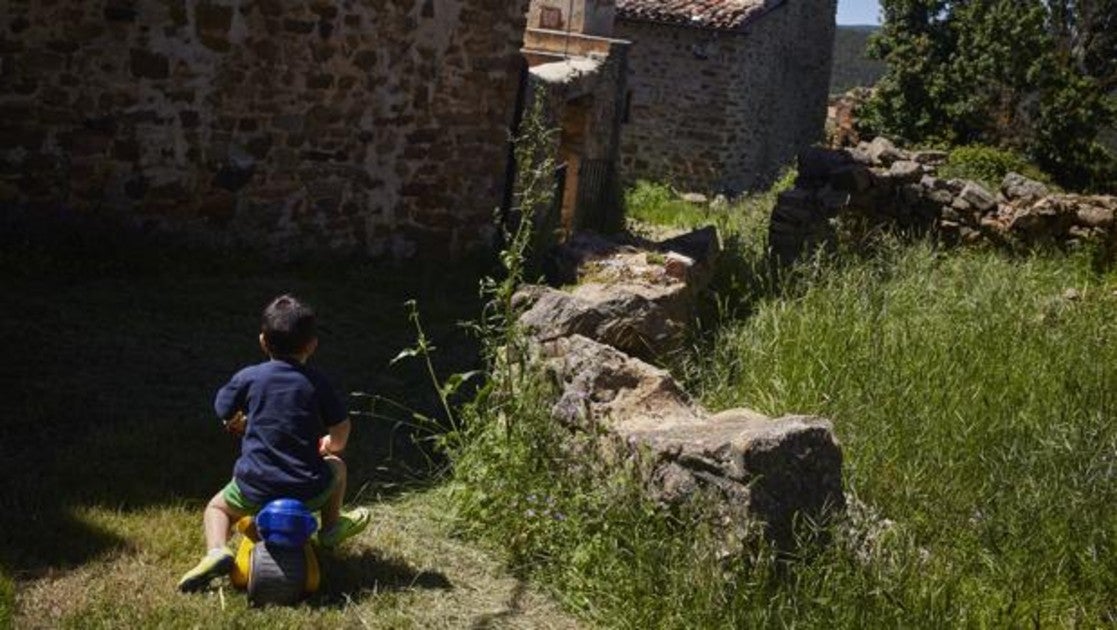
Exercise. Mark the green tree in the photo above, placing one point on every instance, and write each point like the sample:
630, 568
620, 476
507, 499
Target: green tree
1036, 76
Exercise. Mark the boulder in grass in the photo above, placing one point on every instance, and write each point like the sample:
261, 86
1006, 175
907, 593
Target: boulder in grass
905, 172
1095, 216
771, 473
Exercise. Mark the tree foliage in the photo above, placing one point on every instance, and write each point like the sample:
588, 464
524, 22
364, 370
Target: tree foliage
1036, 76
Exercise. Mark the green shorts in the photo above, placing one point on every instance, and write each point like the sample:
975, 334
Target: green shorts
236, 499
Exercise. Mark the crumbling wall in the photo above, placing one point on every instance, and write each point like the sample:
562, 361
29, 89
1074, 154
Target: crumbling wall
723, 111
877, 186
777, 477
363, 125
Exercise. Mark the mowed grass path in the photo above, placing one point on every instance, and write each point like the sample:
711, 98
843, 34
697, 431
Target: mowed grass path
111, 449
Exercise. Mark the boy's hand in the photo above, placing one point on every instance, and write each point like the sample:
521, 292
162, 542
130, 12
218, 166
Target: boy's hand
237, 424
325, 447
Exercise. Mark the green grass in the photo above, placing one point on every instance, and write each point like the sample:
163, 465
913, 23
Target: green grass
976, 405
975, 402
113, 359
649, 204
407, 572
7, 601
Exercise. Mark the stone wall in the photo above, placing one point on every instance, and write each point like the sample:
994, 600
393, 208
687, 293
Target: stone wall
723, 111
876, 186
365, 125
635, 299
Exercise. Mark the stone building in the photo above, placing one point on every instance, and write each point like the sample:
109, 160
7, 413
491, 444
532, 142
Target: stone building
582, 72
373, 126
723, 94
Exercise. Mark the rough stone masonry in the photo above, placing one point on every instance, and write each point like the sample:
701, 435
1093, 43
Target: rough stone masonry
764, 475
373, 126
878, 186
723, 94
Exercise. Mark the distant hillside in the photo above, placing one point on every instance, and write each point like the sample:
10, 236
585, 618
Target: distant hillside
851, 67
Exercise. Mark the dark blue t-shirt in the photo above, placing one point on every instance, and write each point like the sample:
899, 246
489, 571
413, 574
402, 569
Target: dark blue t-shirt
289, 407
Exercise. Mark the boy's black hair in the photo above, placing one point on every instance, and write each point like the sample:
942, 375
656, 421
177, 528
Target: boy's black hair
288, 326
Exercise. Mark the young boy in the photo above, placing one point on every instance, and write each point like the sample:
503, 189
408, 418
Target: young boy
289, 407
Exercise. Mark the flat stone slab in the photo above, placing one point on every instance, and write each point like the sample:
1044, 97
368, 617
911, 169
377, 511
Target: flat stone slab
641, 319
638, 297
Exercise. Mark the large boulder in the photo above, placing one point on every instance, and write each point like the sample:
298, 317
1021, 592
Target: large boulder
646, 320
763, 474
905, 172
1095, 216
1045, 220
638, 297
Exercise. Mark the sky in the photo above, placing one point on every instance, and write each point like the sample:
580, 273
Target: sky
858, 12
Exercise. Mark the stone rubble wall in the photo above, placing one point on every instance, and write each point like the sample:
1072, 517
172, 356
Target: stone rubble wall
356, 125
876, 185
718, 111
766, 476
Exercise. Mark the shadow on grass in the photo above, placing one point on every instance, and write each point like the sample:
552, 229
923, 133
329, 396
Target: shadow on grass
29, 552
513, 609
113, 355
114, 463
349, 579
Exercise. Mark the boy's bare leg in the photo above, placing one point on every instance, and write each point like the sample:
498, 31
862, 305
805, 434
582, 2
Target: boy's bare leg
331, 511
337, 527
218, 521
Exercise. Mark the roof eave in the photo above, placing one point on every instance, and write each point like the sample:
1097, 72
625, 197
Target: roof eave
738, 29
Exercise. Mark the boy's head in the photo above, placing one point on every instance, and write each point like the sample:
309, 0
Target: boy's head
287, 328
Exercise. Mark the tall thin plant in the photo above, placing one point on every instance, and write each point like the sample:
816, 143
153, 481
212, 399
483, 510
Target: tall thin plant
525, 229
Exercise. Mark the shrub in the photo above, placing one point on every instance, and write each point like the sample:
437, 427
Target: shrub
989, 165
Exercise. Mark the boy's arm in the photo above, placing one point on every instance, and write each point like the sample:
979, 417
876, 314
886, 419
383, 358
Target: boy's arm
231, 398
335, 417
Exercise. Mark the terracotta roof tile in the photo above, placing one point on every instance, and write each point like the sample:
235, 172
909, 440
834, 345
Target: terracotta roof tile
724, 15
